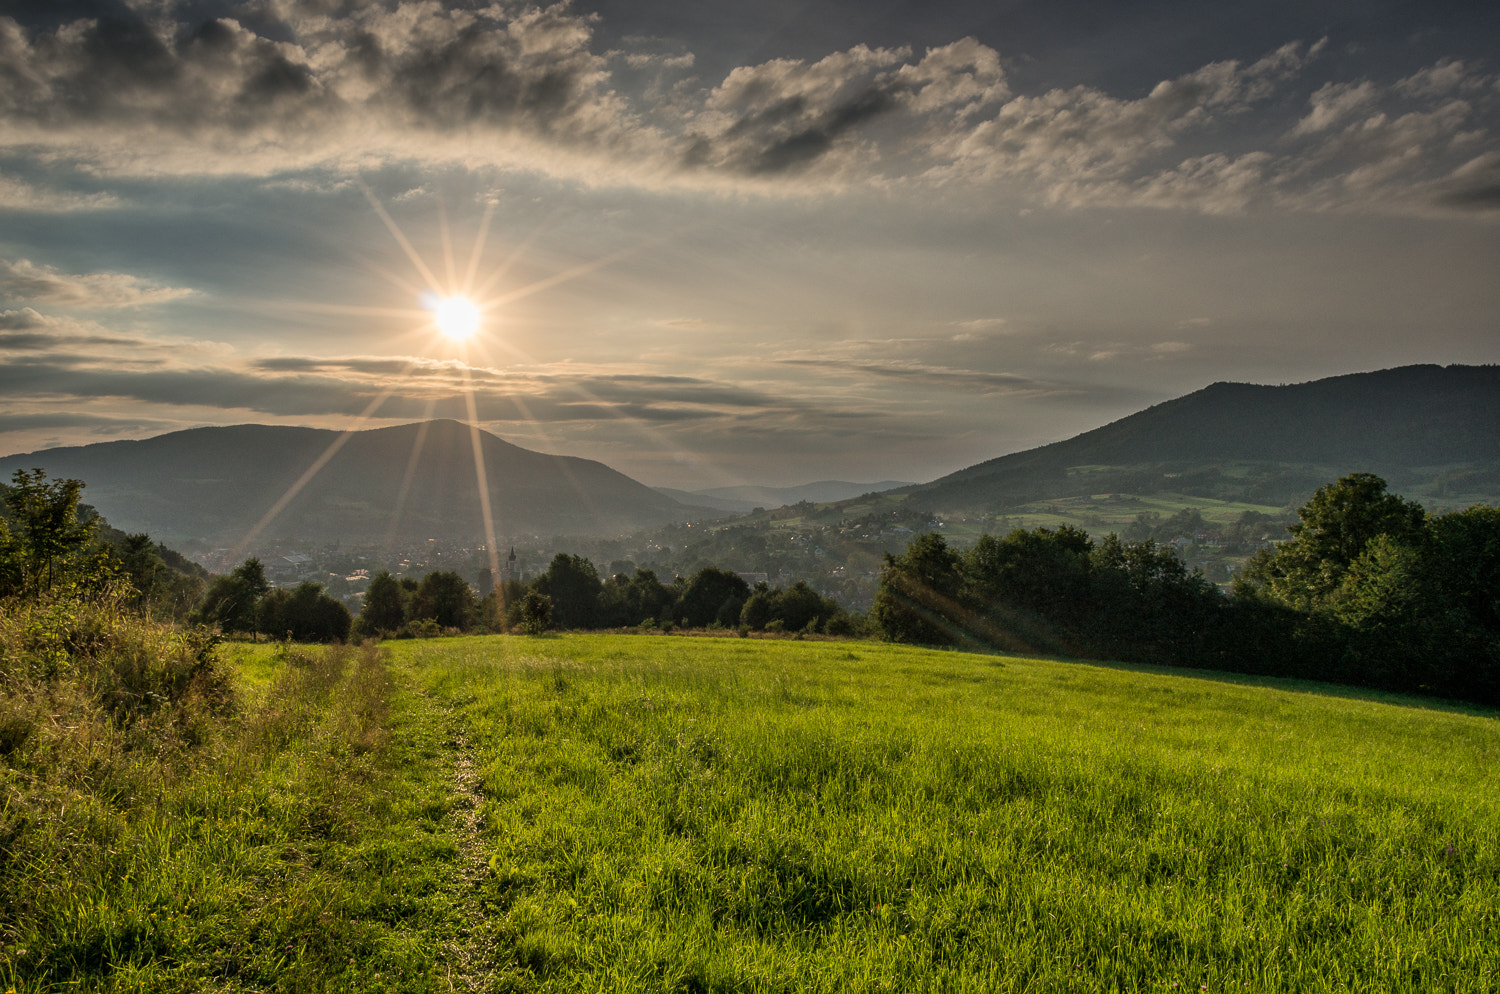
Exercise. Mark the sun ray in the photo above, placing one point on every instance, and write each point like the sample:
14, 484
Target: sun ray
447, 242
481, 476
316, 467
352, 310
466, 303
399, 235
477, 252
510, 260
410, 474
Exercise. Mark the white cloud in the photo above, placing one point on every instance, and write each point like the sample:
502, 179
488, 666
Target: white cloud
16, 194
1334, 103
1445, 77
23, 280
1078, 145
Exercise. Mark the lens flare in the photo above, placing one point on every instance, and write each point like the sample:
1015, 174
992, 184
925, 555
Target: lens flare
456, 317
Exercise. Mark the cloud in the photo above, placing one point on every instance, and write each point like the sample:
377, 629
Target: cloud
1446, 77
71, 419
978, 329
942, 377
1473, 186
136, 94
789, 115
1334, 103
21, 279
16, 194
279, 88
1068, 137
22, 320
1129, 351
47, 366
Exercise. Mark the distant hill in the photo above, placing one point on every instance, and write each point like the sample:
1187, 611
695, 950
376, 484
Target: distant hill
1432, 431
739, 500
407, 483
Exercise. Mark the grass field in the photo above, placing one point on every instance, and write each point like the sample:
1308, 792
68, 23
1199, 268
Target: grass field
613, 813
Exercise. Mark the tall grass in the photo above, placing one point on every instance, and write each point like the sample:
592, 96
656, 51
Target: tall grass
166, 827
706, 815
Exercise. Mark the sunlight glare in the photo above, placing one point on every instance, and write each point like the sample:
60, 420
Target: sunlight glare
456, 317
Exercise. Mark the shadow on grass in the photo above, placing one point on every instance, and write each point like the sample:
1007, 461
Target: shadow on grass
1291, 685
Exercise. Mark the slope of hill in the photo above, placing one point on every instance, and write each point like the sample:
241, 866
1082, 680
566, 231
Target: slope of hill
1432, 431
402, 484
747, 498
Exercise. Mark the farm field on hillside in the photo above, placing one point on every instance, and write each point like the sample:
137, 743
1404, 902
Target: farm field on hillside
653, 813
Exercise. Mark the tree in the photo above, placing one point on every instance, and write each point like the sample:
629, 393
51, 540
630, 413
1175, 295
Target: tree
50, 534
1044, 570
632, 600
1466, 557
385, 606
233, 602
1336, 524
919, 596
305, 614
145, 568
1146, 605
535, 612
573, 585
759, 608
800, 607
1422, 616
712, 595
447, 599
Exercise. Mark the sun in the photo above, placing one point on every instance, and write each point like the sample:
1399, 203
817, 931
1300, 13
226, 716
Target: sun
456, 317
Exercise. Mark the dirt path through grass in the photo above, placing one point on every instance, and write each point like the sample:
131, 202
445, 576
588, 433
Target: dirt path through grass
469, 954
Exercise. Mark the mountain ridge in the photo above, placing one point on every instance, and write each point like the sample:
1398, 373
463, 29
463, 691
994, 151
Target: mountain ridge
1272, 444
401, 483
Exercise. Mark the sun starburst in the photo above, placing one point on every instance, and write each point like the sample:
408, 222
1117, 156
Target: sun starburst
456, 317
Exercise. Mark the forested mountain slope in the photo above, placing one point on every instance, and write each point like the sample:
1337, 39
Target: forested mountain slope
1432, 431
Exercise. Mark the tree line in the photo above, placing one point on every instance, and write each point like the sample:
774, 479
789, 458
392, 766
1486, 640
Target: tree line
572, 595
1369, 590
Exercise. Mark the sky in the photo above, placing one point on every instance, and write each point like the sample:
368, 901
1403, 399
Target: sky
717, 243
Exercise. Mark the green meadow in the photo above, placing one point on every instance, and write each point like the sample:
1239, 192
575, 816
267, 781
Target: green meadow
665, 813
